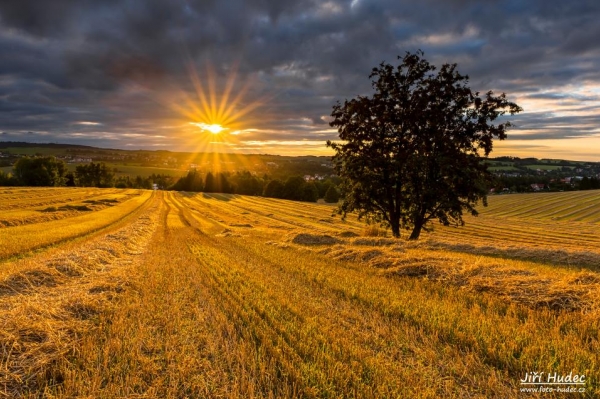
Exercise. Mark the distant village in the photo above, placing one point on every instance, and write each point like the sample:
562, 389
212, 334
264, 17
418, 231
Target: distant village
535, 175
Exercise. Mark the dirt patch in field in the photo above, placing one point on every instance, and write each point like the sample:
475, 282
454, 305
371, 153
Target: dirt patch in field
314, 239
245, 225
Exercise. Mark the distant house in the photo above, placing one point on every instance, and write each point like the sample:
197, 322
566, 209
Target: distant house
272, 165
537, 186
80, 160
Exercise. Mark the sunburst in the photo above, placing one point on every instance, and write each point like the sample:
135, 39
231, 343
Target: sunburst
213, 128
219, 111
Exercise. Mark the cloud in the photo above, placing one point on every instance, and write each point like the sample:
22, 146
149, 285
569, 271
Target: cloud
126, 66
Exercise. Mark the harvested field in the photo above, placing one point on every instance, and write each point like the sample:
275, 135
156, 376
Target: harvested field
196, 295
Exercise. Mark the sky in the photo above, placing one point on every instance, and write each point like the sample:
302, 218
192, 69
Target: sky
155, 74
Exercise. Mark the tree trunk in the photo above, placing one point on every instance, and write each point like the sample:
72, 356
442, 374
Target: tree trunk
395, 224
416, 230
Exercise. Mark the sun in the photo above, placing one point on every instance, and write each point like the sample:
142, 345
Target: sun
213, 128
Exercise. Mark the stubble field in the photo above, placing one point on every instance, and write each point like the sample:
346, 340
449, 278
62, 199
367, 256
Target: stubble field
110, 293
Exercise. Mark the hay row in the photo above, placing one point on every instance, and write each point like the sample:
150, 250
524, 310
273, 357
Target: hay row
570, 292
50, 301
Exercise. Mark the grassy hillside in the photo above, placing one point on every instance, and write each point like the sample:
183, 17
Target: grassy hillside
213, 295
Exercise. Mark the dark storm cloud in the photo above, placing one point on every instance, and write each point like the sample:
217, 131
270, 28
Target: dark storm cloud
116, 64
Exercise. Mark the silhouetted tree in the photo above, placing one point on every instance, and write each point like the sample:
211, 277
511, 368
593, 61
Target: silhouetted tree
589, 183
6, 179
310, 193
70, 179
210, 185
192, 181
293, 188
94, 175
411, 152
332, 195
247, 184
41, 171
323, 186
123, 182
222, 184
274, 189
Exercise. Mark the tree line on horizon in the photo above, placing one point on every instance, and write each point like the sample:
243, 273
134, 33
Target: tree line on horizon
244, 183
52, 172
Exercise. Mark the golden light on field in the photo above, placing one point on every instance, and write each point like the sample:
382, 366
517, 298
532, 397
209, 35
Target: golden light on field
513, 282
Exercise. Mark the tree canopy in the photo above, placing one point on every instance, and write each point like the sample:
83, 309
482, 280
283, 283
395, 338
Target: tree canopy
412, 152
44, 171
94, 175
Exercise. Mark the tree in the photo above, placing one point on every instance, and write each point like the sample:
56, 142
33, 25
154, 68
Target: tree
247, 184
274, 189
223, 185
310, 193
210, 185
332, 196
190, 182
6, 179
94, 175
40, 171
411, 151
293, 188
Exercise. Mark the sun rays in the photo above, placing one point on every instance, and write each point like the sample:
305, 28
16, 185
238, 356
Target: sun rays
214, 128
217, 112
219, 105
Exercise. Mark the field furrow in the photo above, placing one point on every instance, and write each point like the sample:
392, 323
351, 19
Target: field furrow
50, 300
43, 197
22, 239
216, 295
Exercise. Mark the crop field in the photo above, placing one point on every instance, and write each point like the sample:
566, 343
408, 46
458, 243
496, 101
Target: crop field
108, 293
